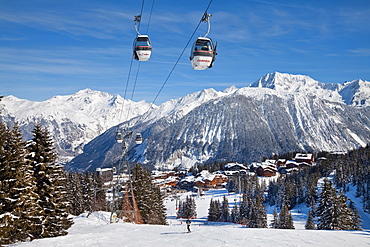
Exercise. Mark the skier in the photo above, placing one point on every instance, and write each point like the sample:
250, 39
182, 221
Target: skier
188, 222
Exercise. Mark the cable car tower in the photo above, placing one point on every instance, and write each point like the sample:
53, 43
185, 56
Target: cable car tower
142, 46
130, 211
203, 52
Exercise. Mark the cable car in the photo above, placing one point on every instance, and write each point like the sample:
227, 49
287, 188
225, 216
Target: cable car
203, 54
119, 137
139, 138
142, 48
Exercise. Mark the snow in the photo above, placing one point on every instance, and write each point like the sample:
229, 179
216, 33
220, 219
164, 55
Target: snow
96, 230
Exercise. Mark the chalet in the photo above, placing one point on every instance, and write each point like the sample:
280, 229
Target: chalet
291, 164
168, 182
235, 167
162, 175
304, 158
210, 180
266, 170
186, 183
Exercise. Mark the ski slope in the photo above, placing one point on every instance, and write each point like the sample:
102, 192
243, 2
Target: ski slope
96, 231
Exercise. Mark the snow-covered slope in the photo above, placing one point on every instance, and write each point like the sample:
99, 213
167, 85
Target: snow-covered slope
96, 231
73, 120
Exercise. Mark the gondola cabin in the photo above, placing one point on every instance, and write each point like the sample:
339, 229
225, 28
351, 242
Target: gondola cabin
119, 137
139, 138
203, 54
142, 48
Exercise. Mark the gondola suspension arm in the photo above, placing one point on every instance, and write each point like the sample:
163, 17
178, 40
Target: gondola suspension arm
137, 21
205, 18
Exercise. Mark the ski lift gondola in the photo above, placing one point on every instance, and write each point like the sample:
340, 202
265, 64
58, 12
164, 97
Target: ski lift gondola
139, 138
203, 52
142, 46
119, 137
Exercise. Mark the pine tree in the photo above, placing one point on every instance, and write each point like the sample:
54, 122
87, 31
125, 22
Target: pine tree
257, 214
356, 219
20, 213
333, 212
326, 206
244, 209
285, 218
214, 210
234, 216
148, 197
310, 223
75, 197
275, 220
225, 213
50, 184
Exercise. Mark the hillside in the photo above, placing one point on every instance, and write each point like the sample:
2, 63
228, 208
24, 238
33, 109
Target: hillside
96, 231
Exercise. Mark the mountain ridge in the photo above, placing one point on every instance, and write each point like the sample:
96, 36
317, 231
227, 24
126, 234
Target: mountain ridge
77, 121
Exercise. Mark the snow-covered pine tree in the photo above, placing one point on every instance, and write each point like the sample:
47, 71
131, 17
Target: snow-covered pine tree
285, 218
326, 206
310, 223
75, 197
257, 214
214, 210
345, 215
187, 208
234, 216
225, 212
87, 191
148, 197
275, 219
333, 212
244, 210
19, 212
51, 184
356, 219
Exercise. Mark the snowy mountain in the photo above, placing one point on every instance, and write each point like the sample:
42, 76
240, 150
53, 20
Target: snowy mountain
356, 93
73, 120
283, 82
279, 113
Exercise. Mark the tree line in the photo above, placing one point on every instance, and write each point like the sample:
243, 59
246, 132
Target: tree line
33, 195
329, 208
38, 198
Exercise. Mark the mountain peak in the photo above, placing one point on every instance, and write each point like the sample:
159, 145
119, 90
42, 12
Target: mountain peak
356, 93
283, 81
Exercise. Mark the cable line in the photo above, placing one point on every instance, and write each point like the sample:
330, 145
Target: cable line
191, 37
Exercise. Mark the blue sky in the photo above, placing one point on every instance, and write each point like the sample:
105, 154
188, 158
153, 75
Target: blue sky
50, 47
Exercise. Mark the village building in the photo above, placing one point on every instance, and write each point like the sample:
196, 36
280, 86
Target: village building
266, 170
210, 180
304, 158
235, 167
